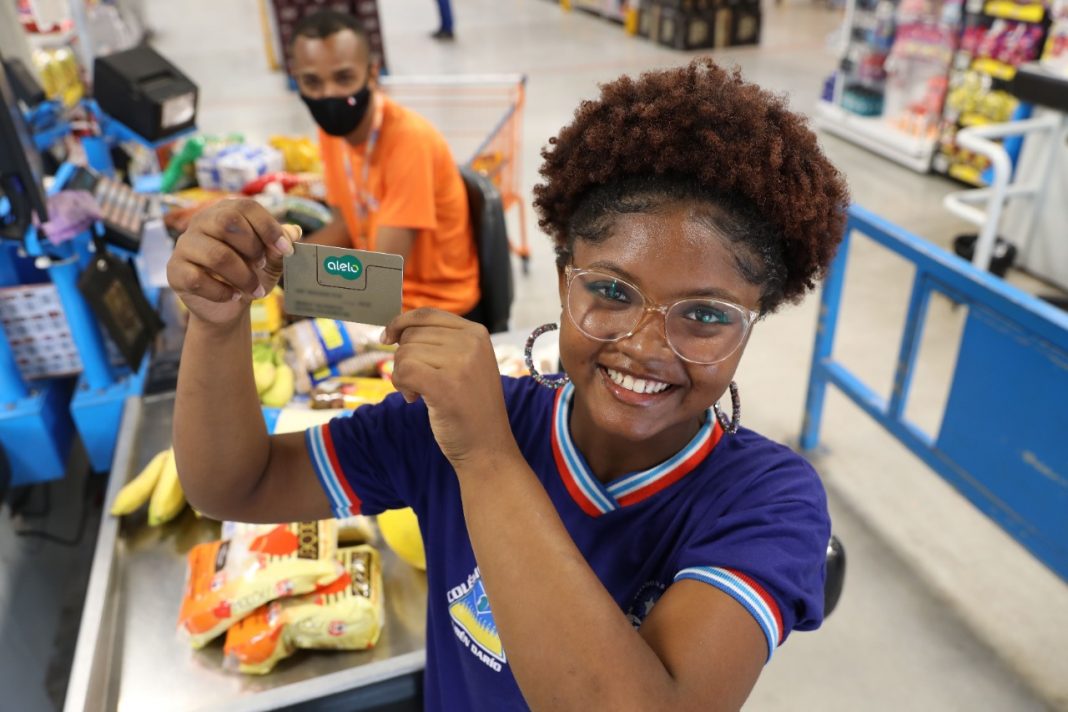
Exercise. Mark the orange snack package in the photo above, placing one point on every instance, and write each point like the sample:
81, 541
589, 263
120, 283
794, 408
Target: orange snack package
345, 615
229, 579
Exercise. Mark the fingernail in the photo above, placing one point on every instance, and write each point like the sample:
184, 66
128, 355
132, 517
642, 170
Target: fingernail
284, 246
382, 337
235, 297
261, 262
260, 291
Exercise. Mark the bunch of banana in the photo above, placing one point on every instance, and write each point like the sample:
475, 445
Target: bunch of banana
158, 485
275, 381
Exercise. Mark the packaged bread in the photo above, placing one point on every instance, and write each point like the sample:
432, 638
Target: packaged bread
345, 615
252, 565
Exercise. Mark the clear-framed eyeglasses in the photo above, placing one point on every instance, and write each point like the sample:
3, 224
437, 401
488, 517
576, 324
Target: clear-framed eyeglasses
699, 330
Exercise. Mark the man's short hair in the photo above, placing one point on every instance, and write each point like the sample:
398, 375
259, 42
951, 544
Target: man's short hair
323, 23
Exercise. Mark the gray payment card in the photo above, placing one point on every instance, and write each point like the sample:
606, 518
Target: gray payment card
349, 285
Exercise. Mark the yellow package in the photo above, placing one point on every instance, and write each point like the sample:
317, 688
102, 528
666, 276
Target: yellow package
300, 154
349, 392
267, 314
346, 615
229, 579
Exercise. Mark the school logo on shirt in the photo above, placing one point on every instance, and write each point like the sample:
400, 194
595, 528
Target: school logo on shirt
347, 267
642, 603
472, 621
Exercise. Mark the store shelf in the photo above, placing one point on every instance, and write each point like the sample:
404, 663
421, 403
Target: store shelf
128, 651
966, 174
995, 68
1009, 10
874, 134
973, 120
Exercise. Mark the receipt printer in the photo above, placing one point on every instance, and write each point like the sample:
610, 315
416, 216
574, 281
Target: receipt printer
145, 92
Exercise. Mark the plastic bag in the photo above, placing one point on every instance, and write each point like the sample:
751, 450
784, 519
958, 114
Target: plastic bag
252, 565
346, 615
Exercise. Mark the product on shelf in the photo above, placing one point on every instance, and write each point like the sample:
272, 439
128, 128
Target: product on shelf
252, 565
347, 614
998, 36
700, 24
1055, 53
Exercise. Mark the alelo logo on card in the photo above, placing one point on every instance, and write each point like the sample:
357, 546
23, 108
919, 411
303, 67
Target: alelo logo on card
346, 267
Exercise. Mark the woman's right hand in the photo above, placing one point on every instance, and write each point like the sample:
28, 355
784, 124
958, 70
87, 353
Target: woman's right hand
231, 254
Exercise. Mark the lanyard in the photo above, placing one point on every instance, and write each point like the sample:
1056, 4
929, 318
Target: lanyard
366, 203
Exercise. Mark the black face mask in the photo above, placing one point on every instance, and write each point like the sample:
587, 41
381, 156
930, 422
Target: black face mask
339, 115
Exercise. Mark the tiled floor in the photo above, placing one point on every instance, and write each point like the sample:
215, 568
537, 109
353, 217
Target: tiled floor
941, 610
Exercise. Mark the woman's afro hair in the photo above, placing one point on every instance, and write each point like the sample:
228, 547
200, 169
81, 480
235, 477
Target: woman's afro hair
700, 133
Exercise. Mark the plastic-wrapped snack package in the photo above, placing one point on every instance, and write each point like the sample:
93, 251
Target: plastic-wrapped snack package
349, 392
318, 343
346, 615
252, 565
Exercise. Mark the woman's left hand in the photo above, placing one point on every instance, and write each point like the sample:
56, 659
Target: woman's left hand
450, 363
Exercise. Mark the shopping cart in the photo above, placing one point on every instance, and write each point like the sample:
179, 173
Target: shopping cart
481, 117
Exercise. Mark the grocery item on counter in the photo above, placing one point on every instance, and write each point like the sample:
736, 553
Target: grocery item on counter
347, 614
306, 212
61, 78
300, 153
400, 530
357, 529
137, 491
322, 348
275, 381
158, 485
252, 565
230, 167
349, 392
167, 500
267, 315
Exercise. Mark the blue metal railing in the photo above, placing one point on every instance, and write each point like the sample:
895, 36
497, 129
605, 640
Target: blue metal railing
1013, 466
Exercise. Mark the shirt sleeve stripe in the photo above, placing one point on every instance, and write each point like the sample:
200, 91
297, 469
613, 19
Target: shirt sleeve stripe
768, 601
766, 616
355, 504
327, 476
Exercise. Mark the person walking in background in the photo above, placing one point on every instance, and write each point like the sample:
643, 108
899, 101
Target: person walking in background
445, 12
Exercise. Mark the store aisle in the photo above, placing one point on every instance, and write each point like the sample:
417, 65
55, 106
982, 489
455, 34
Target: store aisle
941, 610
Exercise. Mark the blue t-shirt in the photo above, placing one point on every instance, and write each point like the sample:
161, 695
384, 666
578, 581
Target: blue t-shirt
740, 513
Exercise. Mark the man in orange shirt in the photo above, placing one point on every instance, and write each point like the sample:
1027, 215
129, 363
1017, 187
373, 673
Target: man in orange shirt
390, 176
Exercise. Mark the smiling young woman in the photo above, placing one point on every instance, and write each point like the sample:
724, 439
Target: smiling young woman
604, 538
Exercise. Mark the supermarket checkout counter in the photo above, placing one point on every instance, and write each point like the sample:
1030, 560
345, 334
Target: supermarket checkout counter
130, 658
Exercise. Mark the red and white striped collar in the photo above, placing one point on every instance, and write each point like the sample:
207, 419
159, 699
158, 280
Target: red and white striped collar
596, 498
